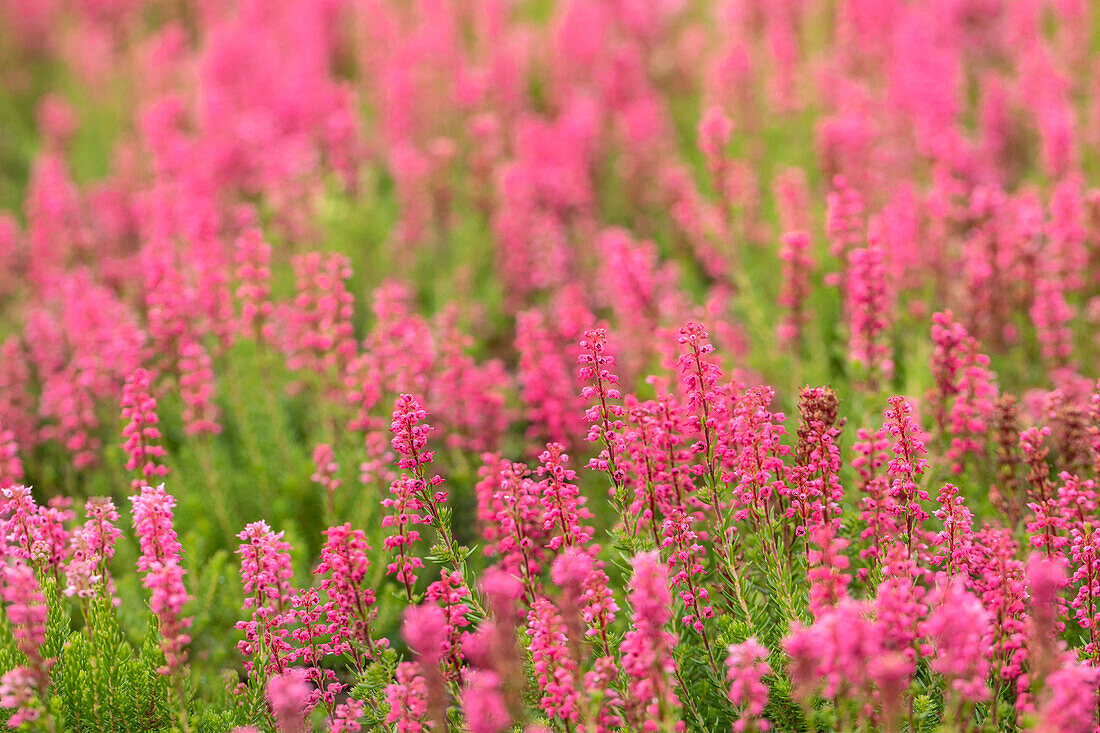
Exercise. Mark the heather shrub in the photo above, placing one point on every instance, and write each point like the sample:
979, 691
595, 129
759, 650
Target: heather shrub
693, 365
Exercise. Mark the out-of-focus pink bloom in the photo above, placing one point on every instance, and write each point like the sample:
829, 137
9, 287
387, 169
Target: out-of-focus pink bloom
288, 693
747, 666
1068, 704
200, 414
17, 692
647, 648
798, 266
142, 435
869, 304
956, 627
408, 699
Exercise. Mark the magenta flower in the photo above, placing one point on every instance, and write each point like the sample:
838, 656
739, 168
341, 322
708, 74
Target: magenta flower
265, 576
408, 700
601, 391
483, 702
324, 474
18, 693
453, 597
196, 381
908, 463
160, 562
25, 609
647, 660
265, 567
11, 468
562, 500
962, 401
347, 716
93, 546
826, 568
288, 694
869, 305
344, 565
844, 223
253, 273
953, 544
520, 525
700, 383
1069, 701
685, 558
957, 628
142, 435
798, 266
553, 664
585, 591
1085, 552
747, 666
416, 498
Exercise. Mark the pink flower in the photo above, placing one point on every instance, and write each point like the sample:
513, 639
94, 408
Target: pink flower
325, 470
562, 500
11, 468
17, 692
160, 562
1046, 584
288, 693
831, 656
962, 401
998, 579
408, 699
957, 627
908, 463
265, 567
518, 517
347, 716
585, 591
253, 273
869, 305
483, 702
93, 546
686, 559
453, 597
798, 265
551, 405
553, 664
843, 220
1068, 704
700, 382
826, 566
265, 577
714, 132
647, 648
315, 330
344, 563
412, 492
25, 608
200, 413
21, 525
953, 542
141, 432
1085, 552
747, 664
602, 392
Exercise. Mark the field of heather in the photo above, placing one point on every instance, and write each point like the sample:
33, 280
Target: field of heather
550, 366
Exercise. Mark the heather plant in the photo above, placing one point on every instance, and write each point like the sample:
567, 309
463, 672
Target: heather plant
549, 365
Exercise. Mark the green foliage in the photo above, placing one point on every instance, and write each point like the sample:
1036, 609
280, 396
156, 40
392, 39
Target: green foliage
103, 683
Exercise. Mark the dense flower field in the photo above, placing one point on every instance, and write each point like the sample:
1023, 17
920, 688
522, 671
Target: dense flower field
534, 365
